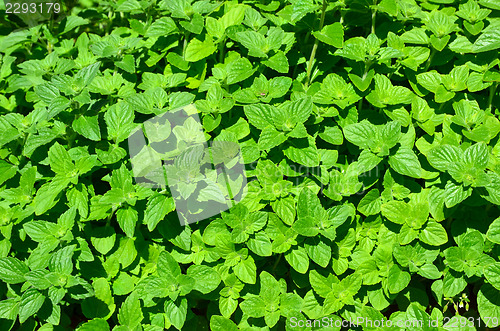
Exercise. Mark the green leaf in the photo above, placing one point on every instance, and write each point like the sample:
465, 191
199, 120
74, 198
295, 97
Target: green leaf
197, 50
477, 156
8, 132
119, 121
332, 35
157, 208
126, 252
161, 27
298, 259
488, 40
319, 251
406, 163
60, 160
490, 4
239, 70
453, 284
260, 115
333, 135
7, 171
269, 288
88, 126
255, 42
168, 266
395, 211
307, 156
397, 280
430, 271
361, 134
307, 204
130, 313
127, 64
492, 274
278, 62
488, 304
233, 17
103, 239
246, 270
48, 193
176, 312
387, 94
300, 8
102, 304
434, 234
335, 90
454, 194
371, 203
12, 270
364, 81
285, 209
31, 302
96, 324
61, 261
306, 226
443, 156
458, 258
299, 110
219, 323
47, 92
493, 233
270, 137
85, 76
206, 278
127, 219
253, 306
439, 43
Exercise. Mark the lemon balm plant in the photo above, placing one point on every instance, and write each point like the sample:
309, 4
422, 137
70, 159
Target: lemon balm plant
368, 130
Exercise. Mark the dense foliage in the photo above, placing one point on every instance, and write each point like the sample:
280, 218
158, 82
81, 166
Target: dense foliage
369, 130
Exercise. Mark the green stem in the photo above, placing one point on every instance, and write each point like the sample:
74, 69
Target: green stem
221, 50
228, 187
109, 23
20, 148
276, 263
71, 138
493, 89
294, 73
429, 60
374, 20
368, 65
108, 219
184, 45
360, 104
316, 42
306, 38
310, 63
395, 70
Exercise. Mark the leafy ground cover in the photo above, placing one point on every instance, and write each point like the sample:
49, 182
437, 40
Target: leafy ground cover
369, 130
